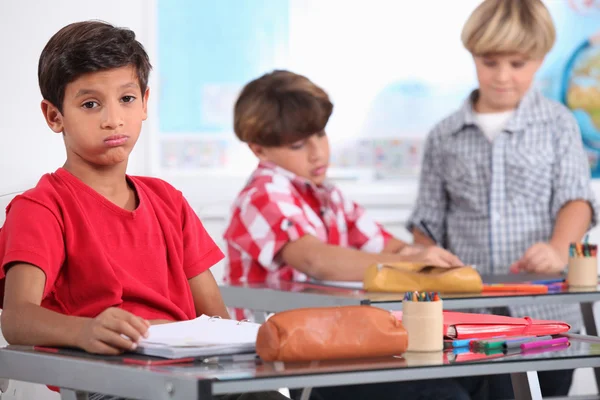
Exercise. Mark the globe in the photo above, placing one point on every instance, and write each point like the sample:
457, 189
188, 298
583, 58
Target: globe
581, 93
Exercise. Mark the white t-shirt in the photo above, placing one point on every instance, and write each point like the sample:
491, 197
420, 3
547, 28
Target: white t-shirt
491, 124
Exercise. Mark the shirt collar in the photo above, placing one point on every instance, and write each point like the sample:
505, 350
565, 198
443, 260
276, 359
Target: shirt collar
524, 114
302, 184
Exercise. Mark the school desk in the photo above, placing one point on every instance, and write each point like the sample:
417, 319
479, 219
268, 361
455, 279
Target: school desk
201, 381
283, 295
265, 298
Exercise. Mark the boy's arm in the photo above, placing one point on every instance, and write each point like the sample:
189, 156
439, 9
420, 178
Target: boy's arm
432, 199
207, 296
572, 222
393, 246
573, 202
326, 262
25, 322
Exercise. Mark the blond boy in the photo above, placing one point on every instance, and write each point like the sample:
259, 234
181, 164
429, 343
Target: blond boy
505, 181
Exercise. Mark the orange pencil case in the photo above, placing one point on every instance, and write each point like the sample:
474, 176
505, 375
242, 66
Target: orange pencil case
330, 333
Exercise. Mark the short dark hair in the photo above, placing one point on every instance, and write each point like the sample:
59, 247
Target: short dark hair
84, 47
280, 108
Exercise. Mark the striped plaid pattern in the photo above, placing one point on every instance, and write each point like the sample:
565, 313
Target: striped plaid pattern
488, 202
277, 207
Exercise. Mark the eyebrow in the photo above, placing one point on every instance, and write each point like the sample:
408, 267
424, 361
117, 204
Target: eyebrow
84, 92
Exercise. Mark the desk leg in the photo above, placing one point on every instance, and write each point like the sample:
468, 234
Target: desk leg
526, 385
68, 394
306, 393
260, 317
587, 309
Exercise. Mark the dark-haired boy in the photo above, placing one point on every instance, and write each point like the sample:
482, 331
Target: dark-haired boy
91, 257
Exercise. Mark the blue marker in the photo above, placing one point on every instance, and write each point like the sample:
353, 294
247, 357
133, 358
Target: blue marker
464, 342
548, 281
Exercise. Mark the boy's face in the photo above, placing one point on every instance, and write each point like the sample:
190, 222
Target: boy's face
102, 116
503, 80
307, 158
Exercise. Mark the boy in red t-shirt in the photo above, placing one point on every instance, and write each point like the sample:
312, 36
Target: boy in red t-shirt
91, 257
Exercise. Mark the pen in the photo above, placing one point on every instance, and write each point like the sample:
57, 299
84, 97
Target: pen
544, 343
516, 343
497, 342
431, 236
547, 281
462, 342
135, 361
514, 287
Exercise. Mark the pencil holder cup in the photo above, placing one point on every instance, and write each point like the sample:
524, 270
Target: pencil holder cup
424, 323
582, 271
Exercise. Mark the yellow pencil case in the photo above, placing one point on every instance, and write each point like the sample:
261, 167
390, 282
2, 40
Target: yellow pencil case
408, 277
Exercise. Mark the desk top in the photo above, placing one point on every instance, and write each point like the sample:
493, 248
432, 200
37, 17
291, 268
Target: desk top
201, 379
286, 295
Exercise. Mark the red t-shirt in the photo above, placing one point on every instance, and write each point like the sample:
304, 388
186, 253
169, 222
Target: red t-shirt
97, 255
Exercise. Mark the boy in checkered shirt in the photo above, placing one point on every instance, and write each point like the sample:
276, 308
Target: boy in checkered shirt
289, 223
505, 180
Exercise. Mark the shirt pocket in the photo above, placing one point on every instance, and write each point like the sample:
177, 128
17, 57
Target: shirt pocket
461, 182
529, 177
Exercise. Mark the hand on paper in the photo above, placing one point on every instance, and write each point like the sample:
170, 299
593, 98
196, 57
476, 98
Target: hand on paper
112, 332
159, 321
540, 258
432, 255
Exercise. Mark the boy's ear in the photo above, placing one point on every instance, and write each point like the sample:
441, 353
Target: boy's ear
53, 116
145, 103
258, 150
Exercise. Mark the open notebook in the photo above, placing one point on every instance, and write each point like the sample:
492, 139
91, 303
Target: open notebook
203, 336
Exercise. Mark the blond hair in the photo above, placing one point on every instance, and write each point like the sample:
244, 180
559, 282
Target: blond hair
509, 26
280, 108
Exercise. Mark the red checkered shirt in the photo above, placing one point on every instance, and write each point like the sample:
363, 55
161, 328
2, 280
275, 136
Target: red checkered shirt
277, 207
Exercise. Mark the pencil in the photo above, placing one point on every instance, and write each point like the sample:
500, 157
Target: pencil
428, 232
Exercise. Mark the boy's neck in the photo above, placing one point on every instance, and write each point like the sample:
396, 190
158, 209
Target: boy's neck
110, 181
482, 108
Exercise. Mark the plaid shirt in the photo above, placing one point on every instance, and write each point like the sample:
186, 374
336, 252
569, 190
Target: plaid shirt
276, 207
488, 202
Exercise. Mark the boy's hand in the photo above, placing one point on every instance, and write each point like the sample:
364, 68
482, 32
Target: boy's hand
431, 255
540, 258
159, 321
112, 332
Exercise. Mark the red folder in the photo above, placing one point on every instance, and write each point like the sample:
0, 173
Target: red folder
458, 325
